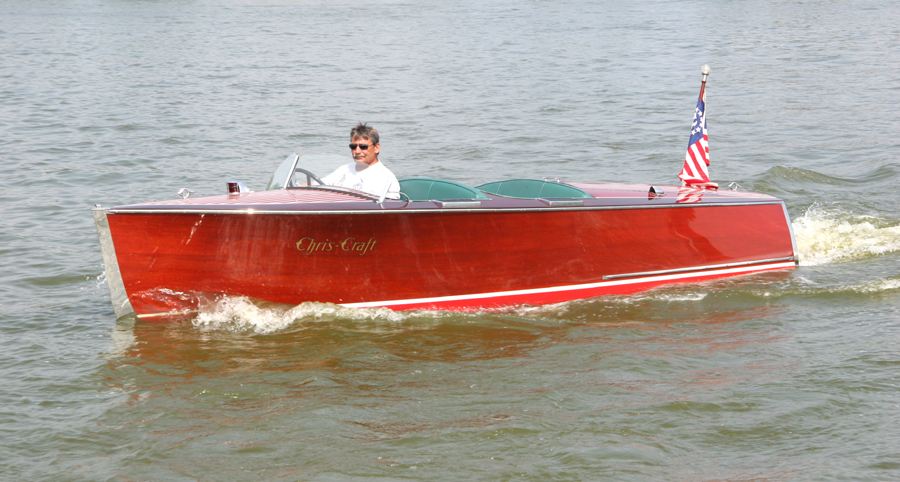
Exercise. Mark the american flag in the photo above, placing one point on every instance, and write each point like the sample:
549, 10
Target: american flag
696, 160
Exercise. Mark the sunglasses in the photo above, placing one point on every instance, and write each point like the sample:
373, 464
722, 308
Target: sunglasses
364, 147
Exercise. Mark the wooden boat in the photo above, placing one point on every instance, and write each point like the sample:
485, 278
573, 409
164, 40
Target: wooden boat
443, 246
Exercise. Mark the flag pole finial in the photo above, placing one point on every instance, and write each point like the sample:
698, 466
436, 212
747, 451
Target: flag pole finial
705, 71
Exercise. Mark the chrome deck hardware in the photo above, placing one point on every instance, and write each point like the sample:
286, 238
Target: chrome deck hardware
458, 203
561, 202
185, 193
237, 187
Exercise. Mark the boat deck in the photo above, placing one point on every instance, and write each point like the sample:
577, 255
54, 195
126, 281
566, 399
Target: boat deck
602, 195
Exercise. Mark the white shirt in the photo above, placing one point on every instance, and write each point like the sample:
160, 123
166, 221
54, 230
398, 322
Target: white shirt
373, 179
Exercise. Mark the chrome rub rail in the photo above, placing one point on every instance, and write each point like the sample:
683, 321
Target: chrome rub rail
255, 211
697, 268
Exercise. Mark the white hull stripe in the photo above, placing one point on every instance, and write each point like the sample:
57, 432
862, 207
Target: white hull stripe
586, 286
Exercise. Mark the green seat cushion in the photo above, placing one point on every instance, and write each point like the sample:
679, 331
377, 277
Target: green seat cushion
424, 189
533, 189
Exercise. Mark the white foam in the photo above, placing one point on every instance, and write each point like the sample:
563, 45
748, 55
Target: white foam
876, 286
670, 297
831, 235
240, 314
652, 295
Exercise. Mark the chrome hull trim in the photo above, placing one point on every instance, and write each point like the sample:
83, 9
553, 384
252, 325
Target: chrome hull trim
117, 293
697, 268
168, 313
420, 211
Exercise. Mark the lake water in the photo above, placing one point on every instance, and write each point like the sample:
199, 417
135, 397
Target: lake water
787, 376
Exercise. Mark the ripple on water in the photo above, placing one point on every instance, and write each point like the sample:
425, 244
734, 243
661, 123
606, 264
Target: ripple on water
771, 376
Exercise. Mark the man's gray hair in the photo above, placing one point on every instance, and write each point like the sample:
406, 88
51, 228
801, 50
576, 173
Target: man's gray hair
364, 131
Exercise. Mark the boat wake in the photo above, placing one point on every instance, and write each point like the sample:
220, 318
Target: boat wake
865, 288
824, 234
830, 235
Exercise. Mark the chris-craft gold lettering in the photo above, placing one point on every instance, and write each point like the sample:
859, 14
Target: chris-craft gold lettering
349, 245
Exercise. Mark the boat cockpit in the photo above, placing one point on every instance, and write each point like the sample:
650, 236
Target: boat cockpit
289, 175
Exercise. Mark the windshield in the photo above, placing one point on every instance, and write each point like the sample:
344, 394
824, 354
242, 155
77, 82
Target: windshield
320, 164
282, 174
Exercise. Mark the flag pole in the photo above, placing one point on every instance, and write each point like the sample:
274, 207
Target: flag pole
705, 71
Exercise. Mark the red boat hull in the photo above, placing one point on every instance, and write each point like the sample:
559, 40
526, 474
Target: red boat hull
438, 259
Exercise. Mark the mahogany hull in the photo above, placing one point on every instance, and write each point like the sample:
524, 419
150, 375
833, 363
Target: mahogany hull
169, 262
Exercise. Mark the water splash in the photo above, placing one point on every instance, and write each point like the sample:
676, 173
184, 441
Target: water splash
101, 281
241, 314
832, 235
